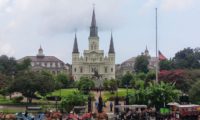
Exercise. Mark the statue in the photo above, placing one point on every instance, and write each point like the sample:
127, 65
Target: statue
96, 75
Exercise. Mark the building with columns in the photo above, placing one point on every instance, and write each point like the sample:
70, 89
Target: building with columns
93, 59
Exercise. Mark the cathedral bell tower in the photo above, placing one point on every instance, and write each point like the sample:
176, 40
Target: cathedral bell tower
93, 38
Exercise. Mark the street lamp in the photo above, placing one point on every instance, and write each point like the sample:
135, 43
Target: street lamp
127, 98
100, 105
116, 101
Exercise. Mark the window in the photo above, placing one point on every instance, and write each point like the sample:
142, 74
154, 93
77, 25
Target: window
111, 69
56, 64
106, 69
95, 47
81, 70
86, 59
74, 69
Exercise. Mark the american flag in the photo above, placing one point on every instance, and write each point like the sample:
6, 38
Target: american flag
161, 56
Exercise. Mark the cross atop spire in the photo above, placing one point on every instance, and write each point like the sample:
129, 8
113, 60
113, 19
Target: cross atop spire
93, 27
75, 48
111, 49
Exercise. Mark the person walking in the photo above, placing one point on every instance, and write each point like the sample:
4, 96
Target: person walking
111, 106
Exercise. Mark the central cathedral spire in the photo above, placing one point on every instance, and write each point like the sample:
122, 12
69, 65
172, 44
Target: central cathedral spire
93, 27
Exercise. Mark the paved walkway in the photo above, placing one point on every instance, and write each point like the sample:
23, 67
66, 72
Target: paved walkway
105, 109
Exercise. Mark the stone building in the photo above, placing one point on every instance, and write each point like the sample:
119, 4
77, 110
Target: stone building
50, 63
93, 59
128, 65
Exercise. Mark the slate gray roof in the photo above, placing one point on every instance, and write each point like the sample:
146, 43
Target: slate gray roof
93, 27
75, 48
41, 59
111, 49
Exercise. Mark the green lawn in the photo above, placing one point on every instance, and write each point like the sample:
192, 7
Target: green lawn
121, 93
63, 92
3, 100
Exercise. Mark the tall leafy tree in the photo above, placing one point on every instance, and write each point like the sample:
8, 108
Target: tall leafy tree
166, 65
24, 65
71, 100
85, 84
126, 79
29, 83
194, 93
141, 64
7, 65
162, 93
187, 58
63, 79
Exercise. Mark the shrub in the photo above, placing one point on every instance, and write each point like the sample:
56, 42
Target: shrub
17, 99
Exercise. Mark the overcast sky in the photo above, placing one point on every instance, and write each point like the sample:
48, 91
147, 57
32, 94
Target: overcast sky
27, 24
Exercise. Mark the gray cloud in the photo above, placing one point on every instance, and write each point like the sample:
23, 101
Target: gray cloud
28, 23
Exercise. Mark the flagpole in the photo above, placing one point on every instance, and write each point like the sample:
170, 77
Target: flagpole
156, 48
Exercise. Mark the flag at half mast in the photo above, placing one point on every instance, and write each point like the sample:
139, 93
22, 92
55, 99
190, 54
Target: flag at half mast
161, 56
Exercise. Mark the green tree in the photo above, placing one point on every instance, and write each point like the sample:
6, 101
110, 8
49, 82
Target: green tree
162, 93
28, 83
126, 79
141, 76
166, 65
187, 58
112, 85
194, 93
106, 84
7, 65
63, 79
4, 84
156, 94
141, 64
85, 84
24, 65
71, 100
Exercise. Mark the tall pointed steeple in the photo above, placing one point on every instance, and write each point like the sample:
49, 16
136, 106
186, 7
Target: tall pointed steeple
146, 52
93, 27
75, 48
111, 49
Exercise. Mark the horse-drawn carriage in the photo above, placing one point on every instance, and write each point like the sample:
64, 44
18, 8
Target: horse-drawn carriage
134, 112
79, 113
185, 112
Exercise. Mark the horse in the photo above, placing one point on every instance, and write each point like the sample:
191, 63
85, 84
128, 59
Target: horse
101, 116
53, 115
7, 116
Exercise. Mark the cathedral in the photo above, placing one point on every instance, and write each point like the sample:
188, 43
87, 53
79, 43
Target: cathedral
93, 59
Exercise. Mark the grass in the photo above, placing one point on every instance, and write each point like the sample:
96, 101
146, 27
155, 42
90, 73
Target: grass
63, 92
3, 100
121, 93
11, 110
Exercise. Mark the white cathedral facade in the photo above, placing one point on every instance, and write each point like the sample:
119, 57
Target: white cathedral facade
93, 59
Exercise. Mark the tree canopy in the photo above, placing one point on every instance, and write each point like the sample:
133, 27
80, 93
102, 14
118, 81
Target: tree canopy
141, 64
85, 84
71, 100
187, 58
31, 82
